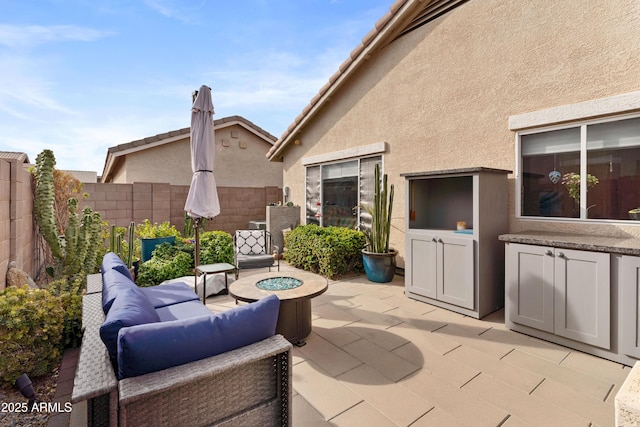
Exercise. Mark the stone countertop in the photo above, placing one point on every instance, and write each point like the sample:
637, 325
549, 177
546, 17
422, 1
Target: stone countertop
618, 245
470, 170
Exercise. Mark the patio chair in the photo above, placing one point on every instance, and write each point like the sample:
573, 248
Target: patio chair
254, 249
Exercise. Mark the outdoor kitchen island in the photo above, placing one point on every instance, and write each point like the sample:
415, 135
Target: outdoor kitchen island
579, 291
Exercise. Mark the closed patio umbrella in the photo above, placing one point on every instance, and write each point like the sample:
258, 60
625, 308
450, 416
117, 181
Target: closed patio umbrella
202, 200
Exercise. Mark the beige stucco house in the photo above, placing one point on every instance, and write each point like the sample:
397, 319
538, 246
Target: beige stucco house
535, 88
166, 158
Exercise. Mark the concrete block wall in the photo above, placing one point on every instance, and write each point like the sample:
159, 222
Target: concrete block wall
118, 204
16, 219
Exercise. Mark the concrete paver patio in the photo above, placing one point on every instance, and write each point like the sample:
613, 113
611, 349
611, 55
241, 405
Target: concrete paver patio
378, 358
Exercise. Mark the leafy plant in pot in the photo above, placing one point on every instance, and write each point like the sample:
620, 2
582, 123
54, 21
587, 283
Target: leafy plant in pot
378, 259
152, 235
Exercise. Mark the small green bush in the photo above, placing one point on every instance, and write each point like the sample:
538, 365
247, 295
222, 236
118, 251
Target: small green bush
167, 262
216, 247
171, 261
31, 327
330, 251
70, 291
147, 230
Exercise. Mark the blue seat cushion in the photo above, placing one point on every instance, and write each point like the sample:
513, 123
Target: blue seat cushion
169, 294
114, 282
111, 261
183, 310
153, 347
130, 307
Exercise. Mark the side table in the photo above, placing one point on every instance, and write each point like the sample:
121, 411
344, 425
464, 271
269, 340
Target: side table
205, 269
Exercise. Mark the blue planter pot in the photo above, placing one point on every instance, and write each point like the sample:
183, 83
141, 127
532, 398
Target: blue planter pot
379, 268
148, 245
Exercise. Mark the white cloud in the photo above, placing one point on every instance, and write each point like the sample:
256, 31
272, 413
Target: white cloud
175, 9
20, 36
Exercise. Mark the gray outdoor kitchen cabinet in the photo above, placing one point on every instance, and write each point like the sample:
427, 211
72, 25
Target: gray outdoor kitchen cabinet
458, 269
579, 291
565, 292
629, 307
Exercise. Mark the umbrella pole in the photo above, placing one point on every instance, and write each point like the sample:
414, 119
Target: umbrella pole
196, 222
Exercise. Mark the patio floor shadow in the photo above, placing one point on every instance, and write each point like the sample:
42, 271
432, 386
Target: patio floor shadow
376, 357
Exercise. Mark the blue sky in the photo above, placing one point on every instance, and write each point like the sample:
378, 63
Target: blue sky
79, 76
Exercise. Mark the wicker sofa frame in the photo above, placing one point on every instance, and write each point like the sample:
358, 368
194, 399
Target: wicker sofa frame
245, 387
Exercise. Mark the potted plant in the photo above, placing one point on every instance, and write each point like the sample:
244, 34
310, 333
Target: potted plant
571, 180
152, 235
379, 260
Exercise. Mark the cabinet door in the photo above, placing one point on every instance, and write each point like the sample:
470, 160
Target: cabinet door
582, 300
530, 286
455, 271
629, 306
421, 265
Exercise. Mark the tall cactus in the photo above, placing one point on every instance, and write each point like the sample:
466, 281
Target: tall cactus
380, 211
71, 261
77, 251
130, 242
90, 231
43, 203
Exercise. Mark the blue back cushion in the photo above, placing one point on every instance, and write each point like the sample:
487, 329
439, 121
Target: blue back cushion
169, 294
111, 261
114, 282
130, 307
153, 347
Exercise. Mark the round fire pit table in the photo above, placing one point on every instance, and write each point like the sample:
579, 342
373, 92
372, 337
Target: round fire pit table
294, 290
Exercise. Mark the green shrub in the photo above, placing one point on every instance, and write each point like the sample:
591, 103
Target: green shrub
177, 260
31, 326
330, 251
216, 247
167, 262
70, 291
147, 230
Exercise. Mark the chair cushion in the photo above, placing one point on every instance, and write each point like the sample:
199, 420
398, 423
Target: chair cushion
130, 307
254, 261
250, 242
111, 261
114, 282
169, 294
184, 310
153, 347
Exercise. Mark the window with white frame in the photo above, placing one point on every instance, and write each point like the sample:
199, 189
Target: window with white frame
587, 171
335, 190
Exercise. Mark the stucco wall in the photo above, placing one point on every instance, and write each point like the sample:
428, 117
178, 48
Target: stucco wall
240, 162
165, 163
441, 95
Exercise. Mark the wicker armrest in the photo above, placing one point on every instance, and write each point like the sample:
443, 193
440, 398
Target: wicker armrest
94, 283
156, 382
94, 374
252, 384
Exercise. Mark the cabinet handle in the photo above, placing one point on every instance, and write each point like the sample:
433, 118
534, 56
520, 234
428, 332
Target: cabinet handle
440, 241
549, 253
561, 255
434, 240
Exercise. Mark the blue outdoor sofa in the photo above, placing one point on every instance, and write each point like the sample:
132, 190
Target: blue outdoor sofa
157, 356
